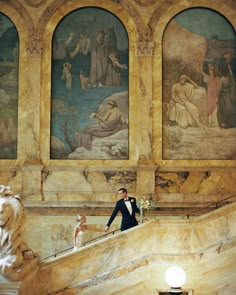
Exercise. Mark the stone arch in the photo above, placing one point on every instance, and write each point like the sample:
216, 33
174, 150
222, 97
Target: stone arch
166, 10
48, 24
127, 9
160, 20
19, 16
163, 13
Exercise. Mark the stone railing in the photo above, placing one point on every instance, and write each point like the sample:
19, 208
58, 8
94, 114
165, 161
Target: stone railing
155, 243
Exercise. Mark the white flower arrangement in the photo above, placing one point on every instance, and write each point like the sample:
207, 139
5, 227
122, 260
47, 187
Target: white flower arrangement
146, 203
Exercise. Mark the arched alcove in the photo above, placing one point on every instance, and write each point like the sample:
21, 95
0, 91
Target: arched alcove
89, 76
198, 116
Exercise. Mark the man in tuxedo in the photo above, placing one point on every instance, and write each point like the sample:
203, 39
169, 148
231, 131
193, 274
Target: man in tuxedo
127, 206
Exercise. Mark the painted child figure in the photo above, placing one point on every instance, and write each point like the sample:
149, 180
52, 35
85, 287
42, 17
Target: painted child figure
84, 81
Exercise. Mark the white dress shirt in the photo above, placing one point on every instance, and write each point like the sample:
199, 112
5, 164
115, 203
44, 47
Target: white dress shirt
129, 207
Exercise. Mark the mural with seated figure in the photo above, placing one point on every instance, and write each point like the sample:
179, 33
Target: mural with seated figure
199, 87
89, 97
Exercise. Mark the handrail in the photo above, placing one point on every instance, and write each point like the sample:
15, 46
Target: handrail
86, 242
117, 230
97, 238
210, 205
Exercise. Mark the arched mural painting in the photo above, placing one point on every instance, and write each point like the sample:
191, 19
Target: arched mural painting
89, 97
9, 56
199, 87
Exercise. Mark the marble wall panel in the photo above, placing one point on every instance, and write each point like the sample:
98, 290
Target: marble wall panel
196, 186
50, 233
42, 179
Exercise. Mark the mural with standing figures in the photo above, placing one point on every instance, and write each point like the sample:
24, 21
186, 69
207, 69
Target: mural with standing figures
89, 98
199, 87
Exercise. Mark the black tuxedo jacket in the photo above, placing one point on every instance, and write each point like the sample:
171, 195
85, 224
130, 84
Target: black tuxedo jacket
128, 220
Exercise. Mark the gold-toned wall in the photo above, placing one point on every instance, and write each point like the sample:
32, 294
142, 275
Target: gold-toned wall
64, 187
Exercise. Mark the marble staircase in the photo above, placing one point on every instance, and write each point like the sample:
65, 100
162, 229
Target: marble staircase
134, 261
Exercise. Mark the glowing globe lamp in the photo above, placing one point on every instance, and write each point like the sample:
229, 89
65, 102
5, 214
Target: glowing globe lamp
175, 278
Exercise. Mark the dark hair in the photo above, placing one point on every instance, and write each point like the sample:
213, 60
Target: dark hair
124, 190
206, 67
223, 69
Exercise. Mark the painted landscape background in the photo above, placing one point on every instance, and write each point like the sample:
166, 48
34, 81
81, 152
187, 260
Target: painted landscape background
83, 78
195, 40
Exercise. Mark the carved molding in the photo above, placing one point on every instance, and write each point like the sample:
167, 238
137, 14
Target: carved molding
10, 287
163, 5
35, 3
145, 3
144, 49
144, 34
47, 14
21, 11
34, 46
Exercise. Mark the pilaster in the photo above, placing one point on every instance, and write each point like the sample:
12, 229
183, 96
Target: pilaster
144, 51
146, 178
30, 96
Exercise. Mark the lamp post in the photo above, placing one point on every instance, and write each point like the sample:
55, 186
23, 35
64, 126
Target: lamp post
175, 278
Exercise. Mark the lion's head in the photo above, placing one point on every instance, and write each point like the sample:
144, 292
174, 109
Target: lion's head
12, 213
6, 212
12, 224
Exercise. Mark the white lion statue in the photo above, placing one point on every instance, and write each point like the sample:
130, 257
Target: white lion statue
13, 250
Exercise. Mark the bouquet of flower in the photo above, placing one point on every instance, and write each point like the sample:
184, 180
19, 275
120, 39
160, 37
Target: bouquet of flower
146, 203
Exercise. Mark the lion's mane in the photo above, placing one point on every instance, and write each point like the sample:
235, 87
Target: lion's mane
12, 225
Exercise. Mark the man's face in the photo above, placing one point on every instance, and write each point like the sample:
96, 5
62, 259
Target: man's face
182, 80
122, 194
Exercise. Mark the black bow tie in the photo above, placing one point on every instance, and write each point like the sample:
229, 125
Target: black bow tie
126, 200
